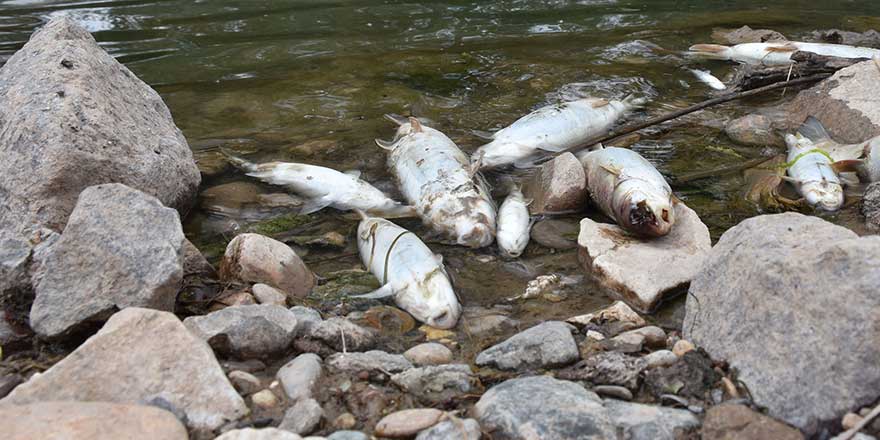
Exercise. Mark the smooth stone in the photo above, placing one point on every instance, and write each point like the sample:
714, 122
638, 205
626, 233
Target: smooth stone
429, 353
266, 294
871, 206
246, 331
660, 358
439, 383
555, 234
652, 335
650, 422
373, 361
766, 304
306, 318
738, 422
246, 383
258, 434
682, 346
345, 421
455, 428
481, 322
253, 258
348, 435
546, 345
299, 376
264, 399
559, 185
89, 421
408, 422
624, 343
755, 130
160, 359
607, 368
303, 417
330, 332
613, 391
641, 272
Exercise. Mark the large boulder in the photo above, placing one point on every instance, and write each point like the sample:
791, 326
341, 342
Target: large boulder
559, 185
247, 331
73, 117
253, 258
790, 301
639, 271
121, 248
871, 206
739, 422
141, 356
89, 421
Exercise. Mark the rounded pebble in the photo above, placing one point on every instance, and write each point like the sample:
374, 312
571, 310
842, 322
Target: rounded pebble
266, 294
613, 391
682, 346
407, 423
246, 383
850, 420
429, 353
345, 421
660, 358
264, 399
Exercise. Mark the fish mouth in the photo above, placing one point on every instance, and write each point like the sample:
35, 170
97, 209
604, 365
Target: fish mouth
444, 320
479, 236
642, 220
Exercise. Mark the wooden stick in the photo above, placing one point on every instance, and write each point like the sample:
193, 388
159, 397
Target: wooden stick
719, 171
859, 426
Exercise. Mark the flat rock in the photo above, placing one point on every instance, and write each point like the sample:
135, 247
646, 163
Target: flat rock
541, 407
429, 353
331, 332
348, 435
770, 305
745, 34
246, 383
739, 422
266, 294
871, 206
257, 330
650, 422
555, 234
253, 258
89, 421
299, 376
641, 272
546, 345
258, 434
306, 318
481, 322
370, 361
753, 129
407, 423
455, 428
607, 368
660, 358
121, 248
438, 383
559, 185
303, 417
141, 355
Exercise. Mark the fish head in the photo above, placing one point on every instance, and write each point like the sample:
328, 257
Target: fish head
823, 195
487, 158
797, 141
646, 215
475, 231
432, 300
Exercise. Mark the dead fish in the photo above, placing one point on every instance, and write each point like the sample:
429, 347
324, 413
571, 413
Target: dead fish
514, 224
810, 171
776, 54
862, 158
433, 176
408, 271
552, 128
710, 80
325, 187
627, 188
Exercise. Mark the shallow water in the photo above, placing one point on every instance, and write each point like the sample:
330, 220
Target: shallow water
310, 80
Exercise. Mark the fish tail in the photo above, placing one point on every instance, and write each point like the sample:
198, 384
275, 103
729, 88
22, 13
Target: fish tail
397, 119
710, 51
239, 162
632, 101
363, 215
813, 130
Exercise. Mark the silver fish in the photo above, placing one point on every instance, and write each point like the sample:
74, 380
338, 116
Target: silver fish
776, 54
862, 158
810, 171
514, 223
627, 188
710, 80
409, 272
552, 128
433, 176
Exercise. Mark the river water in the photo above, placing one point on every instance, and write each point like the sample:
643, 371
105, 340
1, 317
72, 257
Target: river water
309, 81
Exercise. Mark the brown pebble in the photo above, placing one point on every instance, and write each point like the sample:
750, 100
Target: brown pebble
850, 420
409, 422
681, 347
345, 421
729, 388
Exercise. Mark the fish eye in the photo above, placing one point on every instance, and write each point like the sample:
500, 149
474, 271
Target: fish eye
665, 215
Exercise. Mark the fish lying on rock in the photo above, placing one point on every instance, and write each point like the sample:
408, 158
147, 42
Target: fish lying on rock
325, 187
514, 224
811, 171
433, 176
627, 188
409, 272
552, 128
709, 79
776, 54
862, 158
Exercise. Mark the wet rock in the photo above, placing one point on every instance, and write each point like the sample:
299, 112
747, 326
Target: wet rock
348, 435
739, 422
871, 206
766, 303
264, 399
649, 422
429, 353
306, 318
541, 407
303, 417
614, 319
253, 258
869, 38
258, 434
91, 121
408, 422
373, 361
246, 331
745, 34
160, 358
546, 345
558, 186
233, 205
624, 343
691, 376
245, 383
481, 322
642, 272
438, 383
660, 358
455, 428
608, 368
753, 129
299, 376
615, 391
652, 335
331, 332
88, 421
121, 248
555, 234
266, 294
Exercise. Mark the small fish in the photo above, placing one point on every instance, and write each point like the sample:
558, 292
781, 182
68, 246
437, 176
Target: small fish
409, 272
551, 129
810, 171
709, 79
776, 54
514, 224
325, 187
862, 158
627, 188
434, 177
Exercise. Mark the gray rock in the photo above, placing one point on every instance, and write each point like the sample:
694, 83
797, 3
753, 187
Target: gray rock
331, 332
869, 38
739, 422
257, 330
246, 383
607, 368
455, 428
15, 258
871, 206
141, 355
642, 272
306, 318
253, 258
541, 407
429, 353
89, 421
299, 376
8, 383
691, 376
481, 322
121, 248
765, 302
546, 345
438, 383
266, 294
195, 265
303, 417
618, 392
558, 186
373, 361
10, 334
258, 434
745, 34
652, 335
753, 129
660, 358
555, 234
92, 122
348, 435
650, 422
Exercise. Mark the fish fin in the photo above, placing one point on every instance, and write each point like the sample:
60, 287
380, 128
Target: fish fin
552, 148
849, 165
416, 125
313, 205
813, 130
361, 214
353, 173
599, 103
382, 292
788, 47
385, 145
527, 162
395, 118
238, 162
485, 135
711, 51
612, 169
